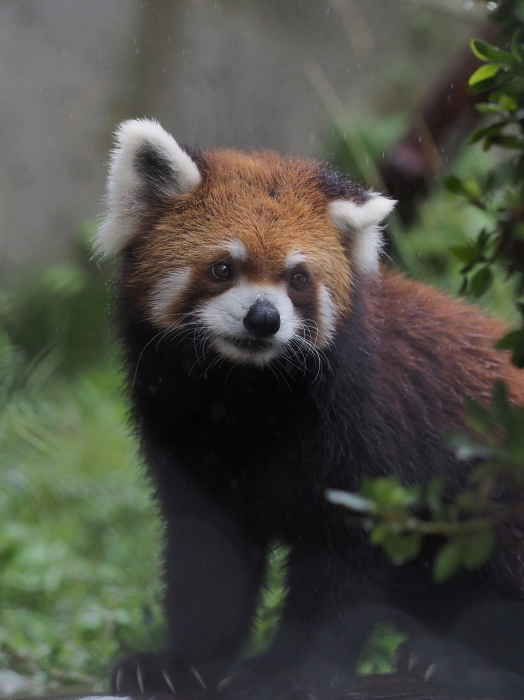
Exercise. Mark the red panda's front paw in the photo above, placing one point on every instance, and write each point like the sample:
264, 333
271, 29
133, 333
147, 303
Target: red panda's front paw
152, 673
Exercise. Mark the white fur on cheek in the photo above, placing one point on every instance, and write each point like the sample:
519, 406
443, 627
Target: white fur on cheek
359, 223
167, 291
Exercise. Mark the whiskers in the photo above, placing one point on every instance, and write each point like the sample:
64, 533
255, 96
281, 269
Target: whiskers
184, 327
300, 354
302, 348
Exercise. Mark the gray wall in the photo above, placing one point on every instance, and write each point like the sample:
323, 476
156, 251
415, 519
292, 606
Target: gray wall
241, 73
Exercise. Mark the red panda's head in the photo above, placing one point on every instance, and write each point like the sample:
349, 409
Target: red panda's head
254, 253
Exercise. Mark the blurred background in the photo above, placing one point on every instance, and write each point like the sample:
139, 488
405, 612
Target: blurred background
339, 80
259, 74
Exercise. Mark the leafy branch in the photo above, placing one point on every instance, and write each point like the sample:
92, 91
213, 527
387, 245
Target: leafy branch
398, 517
499, 193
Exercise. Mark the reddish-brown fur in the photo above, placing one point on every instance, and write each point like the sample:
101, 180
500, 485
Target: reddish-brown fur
456, 337
272, 205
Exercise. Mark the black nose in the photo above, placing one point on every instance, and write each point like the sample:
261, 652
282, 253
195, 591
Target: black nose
262, 319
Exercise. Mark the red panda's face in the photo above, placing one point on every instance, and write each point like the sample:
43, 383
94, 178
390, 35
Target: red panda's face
244, 309
261, 271
244, 253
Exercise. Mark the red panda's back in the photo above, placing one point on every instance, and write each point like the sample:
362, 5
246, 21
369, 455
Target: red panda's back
445, 347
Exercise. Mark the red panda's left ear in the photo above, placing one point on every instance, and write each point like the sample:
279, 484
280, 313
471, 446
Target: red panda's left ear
359, 225
147, 166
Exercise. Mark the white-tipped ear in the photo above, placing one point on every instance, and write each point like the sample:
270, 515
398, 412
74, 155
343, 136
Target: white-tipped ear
359, 224
147, 165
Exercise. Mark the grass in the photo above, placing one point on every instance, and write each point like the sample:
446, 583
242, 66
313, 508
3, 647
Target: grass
79, 542
79, 538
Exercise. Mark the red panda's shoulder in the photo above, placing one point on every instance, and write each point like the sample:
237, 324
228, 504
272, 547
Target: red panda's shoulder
412, 321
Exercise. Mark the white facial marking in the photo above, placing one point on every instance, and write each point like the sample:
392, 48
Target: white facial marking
360, 225
293, 259
327, 315
224, 317
236, 249
166, 292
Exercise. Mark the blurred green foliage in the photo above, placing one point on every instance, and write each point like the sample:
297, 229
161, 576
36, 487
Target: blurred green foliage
79, 536
499, 191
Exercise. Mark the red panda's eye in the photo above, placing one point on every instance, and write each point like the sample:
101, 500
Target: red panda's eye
298, 280
221, 271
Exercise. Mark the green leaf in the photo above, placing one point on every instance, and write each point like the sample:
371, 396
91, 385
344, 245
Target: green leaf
447, 561
508, 104
483, 73
478, 48
470, 187
502, 85
517, 357
500, 404
517, 45
499, 395
434, 492
478, 417
488, 52
504, 141
498, 84
453, 184
483, 239
512, 340
483, 132
465, 253
380, 533
477, 547
491, 109
402, 547
390, 492
481, 281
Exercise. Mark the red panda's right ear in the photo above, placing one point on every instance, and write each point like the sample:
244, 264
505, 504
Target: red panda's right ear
146, 165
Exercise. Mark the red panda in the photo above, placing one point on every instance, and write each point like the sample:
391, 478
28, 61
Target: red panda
270, 357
